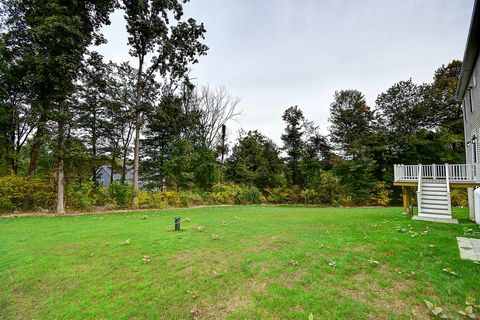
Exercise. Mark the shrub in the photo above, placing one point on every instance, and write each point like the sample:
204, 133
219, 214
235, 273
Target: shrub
80, 195
309, 196
152, 200
249, 195
189, 198
277, 195
381, 195
122, 193
224, 193
459, 197
18, 193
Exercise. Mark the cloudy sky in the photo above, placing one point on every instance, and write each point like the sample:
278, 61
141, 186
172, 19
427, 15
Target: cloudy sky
277, 53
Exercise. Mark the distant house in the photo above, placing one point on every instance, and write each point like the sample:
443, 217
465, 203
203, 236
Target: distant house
104, 175
433, 181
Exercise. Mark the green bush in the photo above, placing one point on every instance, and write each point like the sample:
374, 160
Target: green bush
122, 193
80, 195
277, 195
381, 196
309, 196
189, 198
152, 200
249, 195
459, 197
224, 193
19, 193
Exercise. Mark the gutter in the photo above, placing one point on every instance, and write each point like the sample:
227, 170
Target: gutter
472, 50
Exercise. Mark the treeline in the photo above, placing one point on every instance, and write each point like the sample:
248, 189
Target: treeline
65, 112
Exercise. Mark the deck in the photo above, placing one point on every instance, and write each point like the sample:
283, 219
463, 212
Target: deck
457, 175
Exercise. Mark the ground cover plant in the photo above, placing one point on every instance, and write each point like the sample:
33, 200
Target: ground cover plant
245, 262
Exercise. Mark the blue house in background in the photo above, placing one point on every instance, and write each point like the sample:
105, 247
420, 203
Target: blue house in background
104, 176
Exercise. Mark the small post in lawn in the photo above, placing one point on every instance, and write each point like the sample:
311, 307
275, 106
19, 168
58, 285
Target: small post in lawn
177, 223
407, 199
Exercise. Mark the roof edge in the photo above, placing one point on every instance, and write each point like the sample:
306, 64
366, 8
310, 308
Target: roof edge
472, 49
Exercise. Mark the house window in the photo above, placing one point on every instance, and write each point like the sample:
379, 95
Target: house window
470, 99
474, 149
464, 110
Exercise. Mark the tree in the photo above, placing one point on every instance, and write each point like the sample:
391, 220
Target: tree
292, 141
55, 35
92, 103
163, 131
172, 47
445, 111
255, 160
216, 108
17, 118
317, 154
351, 122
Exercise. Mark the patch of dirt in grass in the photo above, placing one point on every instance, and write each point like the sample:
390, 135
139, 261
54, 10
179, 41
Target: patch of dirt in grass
240, 298
366, 289
274, 242
361, 247
68, 247
289, 280
227, 305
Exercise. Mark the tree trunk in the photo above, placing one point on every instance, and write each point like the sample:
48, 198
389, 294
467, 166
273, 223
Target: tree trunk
136, 162
124, 165
37, 141
138, 119
94, 148
61, 159
112, 166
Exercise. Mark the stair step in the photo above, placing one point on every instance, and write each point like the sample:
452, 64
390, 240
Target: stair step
434, 184
434, 190
426, 204
435, 210
434, 204
434, 197
437, 213
440, 186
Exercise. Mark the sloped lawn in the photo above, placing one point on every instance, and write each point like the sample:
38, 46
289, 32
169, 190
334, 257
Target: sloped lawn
233, 263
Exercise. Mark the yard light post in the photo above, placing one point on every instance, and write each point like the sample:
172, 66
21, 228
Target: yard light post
177, 223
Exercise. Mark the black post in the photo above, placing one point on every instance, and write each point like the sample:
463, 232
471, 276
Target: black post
177, 223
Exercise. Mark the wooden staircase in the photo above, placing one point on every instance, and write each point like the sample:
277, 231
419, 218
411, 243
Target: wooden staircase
433, 198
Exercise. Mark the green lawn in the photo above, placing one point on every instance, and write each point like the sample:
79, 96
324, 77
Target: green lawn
261, 263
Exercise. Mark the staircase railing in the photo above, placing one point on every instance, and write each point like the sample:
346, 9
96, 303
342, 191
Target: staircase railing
447, 180
419, 189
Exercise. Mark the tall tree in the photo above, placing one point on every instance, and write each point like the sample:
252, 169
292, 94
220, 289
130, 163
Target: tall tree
351, 122
293, 143
58, 34
17, 118
92, 103
216, 107
255, 160
172, 48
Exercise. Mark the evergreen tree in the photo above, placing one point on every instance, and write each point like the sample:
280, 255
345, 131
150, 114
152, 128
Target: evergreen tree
293, 142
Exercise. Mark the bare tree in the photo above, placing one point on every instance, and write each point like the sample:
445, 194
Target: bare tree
216, 107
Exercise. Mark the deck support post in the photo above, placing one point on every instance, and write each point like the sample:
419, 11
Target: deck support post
407, 199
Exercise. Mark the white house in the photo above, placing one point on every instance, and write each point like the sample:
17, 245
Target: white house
468, 91
433, 181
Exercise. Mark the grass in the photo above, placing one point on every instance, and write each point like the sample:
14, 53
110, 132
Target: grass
248, 263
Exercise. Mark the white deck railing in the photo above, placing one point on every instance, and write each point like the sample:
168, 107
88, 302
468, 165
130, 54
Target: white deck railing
456, 172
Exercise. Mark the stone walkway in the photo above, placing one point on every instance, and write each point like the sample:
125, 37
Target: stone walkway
469, 248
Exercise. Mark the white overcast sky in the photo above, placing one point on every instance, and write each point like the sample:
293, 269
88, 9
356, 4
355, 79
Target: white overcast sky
277, 53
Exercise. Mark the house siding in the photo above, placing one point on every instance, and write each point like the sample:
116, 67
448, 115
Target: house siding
472, 125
